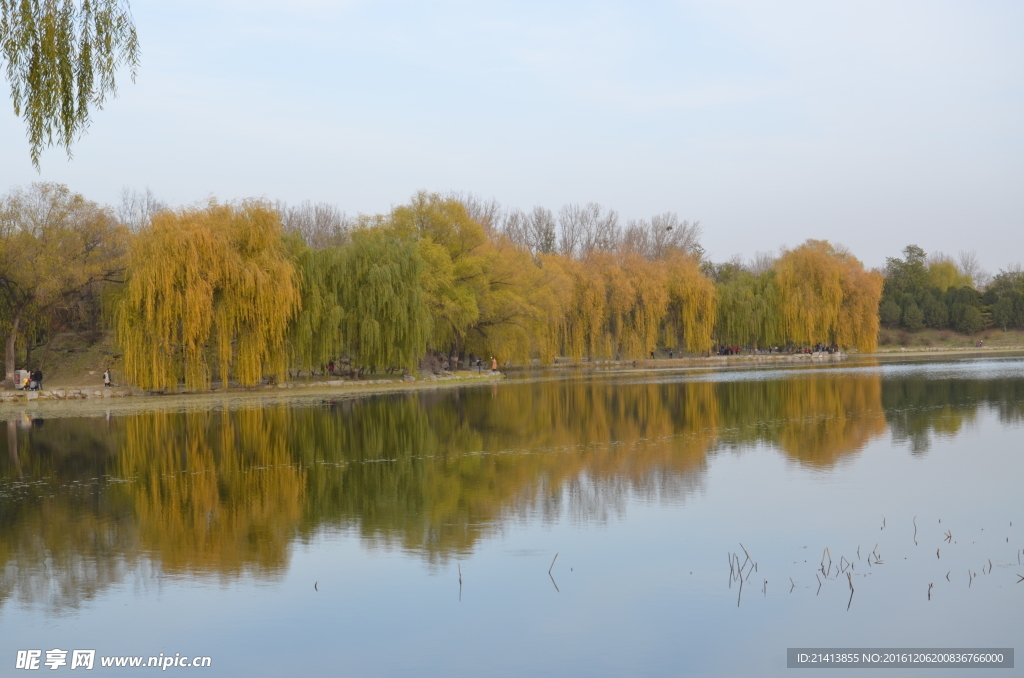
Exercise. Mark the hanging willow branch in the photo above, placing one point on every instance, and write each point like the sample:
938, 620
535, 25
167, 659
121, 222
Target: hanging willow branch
62, 56
210, 285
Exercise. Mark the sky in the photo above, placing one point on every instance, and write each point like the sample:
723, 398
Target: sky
870, 124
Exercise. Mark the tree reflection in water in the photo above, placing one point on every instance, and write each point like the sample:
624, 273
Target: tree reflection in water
85, 501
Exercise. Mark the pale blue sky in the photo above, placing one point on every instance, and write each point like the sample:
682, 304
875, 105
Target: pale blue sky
872, 124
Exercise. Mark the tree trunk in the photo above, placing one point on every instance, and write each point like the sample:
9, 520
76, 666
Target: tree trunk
12, 445
9, 355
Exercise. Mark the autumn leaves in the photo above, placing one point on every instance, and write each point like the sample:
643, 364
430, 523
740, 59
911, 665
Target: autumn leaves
222, 292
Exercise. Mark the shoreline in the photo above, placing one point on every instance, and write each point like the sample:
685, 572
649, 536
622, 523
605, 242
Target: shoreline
89, 401
86, 402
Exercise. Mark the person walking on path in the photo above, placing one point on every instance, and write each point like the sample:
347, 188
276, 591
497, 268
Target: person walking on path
106, 377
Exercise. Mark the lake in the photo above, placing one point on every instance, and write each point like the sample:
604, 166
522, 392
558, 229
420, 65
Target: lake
415, 534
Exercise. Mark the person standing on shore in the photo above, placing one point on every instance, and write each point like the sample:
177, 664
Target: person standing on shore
106, 377
494, 364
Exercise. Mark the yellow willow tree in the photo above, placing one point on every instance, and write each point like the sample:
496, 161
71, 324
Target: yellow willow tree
810, 281
581, 326
692, 298
637, 299
825, 295
858, 315
207, 285
521, 307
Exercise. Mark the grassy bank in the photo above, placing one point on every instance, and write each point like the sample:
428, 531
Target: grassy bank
895, 340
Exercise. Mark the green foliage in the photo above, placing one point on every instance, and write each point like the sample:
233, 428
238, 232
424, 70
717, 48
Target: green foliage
386, 321
966, 319
936, 314
316, 331
890, 313
913, 317
62, 57
919, 293
1002, 312
909, 274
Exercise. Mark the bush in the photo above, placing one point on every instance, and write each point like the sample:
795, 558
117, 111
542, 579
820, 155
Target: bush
904, 338
889, 313
967, 319
884, 338
913, 318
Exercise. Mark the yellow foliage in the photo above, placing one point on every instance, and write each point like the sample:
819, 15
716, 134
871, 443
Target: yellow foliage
944, 274
826, 296
691, 307
206, 285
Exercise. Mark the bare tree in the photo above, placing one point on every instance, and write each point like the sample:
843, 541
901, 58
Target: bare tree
571, 227
607, 234
636, 237
320, 224
486, 212
969, 265
516, 227
542, 230
663, 233
137, 208
762, 262
587, 228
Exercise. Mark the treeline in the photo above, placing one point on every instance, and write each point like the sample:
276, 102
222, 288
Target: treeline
922, 291
249, 290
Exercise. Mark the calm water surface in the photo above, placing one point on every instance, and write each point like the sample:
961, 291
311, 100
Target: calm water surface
205, 533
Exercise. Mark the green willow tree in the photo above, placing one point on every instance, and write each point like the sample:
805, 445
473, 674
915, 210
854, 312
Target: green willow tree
316, 331
386, 320
61, 60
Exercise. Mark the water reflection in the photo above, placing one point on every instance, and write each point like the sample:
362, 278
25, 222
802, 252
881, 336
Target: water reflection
84, 502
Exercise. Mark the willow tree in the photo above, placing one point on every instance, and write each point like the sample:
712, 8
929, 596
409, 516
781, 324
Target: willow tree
690, 316
316, 330
858, 314
810, 284
62, 58
636, 302
386, 320
825, 295
581, 326
210, 285
522, 305
452, 246
748, 310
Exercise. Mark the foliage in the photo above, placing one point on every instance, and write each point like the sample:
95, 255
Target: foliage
207, 285
54, 245
62, 57
385, 319
921, 291
315, 334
